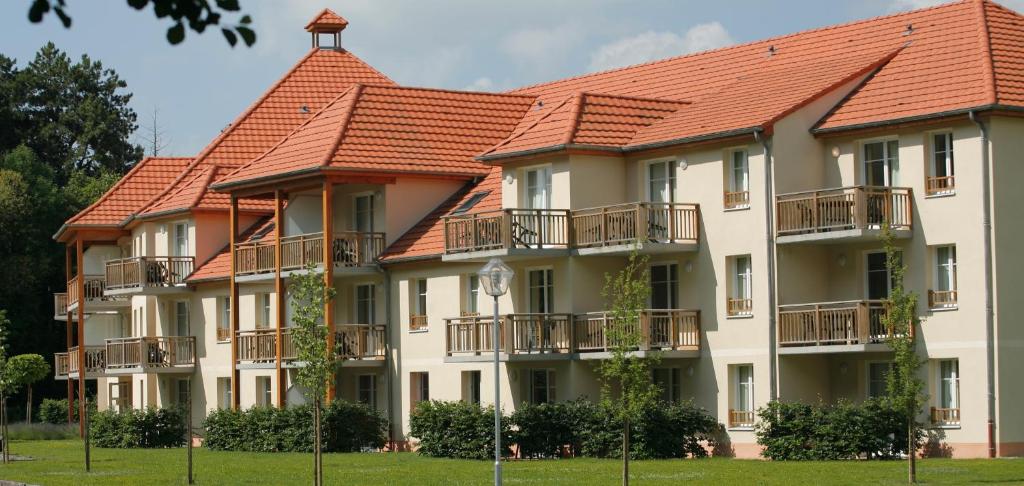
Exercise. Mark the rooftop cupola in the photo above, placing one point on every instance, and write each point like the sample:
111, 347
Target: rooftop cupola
326, 25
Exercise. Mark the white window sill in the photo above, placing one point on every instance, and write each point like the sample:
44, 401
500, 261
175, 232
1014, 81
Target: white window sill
940, 195
741, 428
946, 427
944, 309
418, 331
740, 316
737, 208
223, 342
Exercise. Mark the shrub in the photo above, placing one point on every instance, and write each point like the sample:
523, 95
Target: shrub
456, 429
149, 428
666, 431
844, 430
347, 427
545, 430
55, 411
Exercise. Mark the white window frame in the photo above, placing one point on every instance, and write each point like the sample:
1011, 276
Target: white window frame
182, 384
891, 171
550, 386
264, 391
545, 186
473, 386
179, 236
671, 182
673, 390
941, 380
549, 284
950, 264
224, 392
178, 306
868, 381
949, 160
472, 294
671, 283
742, 281
866, 270
421, 297
371, 390
355, 210
736, 185
266, 311
739, 404
357, 301
224, 315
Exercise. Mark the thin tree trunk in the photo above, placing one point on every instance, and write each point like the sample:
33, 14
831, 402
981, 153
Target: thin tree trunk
3, 431
912, 447
28, 407
625, 453
7, 435
317, 457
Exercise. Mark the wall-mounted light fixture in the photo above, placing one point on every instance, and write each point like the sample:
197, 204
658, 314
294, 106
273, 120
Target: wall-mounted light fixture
841, 259
689, 371
508, 179
688, 266
835, 151
682, 164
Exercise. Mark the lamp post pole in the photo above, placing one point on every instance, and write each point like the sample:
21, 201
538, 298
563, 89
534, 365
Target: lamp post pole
495, 339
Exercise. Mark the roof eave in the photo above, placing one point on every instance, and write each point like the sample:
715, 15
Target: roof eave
410, 259
695, 139
915, 118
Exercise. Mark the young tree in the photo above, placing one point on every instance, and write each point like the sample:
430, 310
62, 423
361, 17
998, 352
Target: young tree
24, 370
626, 386
7, 386
905, 387
308, 295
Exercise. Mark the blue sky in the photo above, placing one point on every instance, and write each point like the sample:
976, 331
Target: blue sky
203, 84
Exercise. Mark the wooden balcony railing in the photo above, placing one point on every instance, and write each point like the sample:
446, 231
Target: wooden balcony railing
507, 229
657, 329
739, 307
60, 365
636, 222
257, 345
60, 305
351, 249
417, 322
941, 298
151, 352
945, 416
139, 272
471, 334
95, 359
738, 199
360, 341
223, 334
741, 418
94, 287
538, 333
939, 185
288, 352
830, 323
844, 208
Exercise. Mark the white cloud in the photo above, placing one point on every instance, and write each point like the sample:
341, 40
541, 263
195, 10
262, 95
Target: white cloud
543, 50
904, 5
652, 45
480, 84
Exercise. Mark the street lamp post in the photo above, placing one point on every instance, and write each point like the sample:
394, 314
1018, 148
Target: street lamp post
495, 277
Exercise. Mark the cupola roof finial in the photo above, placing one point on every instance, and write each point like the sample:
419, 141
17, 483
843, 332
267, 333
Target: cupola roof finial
327, 21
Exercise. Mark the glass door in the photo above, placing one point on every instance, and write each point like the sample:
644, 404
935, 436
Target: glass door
661, 189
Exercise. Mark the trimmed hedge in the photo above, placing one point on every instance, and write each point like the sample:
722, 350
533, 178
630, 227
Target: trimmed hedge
347, 427
844, 430
456, 429
579, 427
149, 428
56, 411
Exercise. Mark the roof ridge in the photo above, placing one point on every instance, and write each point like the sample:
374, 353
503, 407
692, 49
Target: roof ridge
514, 135
985, 38
574, 117
736, 46
206, 185
638, 98
451, 91
343, 126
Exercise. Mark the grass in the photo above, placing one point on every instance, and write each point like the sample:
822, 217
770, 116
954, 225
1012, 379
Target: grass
61, 462
42, 431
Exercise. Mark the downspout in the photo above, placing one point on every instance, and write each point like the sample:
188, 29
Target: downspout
388, 360
986, 192
769, 227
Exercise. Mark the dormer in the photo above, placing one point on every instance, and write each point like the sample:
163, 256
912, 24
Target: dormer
326, 29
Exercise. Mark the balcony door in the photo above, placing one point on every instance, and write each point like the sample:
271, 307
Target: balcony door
665, 286
365, 304
661, 191
881, 163
180, 245
879, 278
542, 301
527, 230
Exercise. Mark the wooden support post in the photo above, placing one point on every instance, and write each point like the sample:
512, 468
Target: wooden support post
70, 322
328, 244
80, 284
233, 298
279, 294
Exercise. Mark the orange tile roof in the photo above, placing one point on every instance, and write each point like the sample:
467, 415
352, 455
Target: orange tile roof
1006, 38
387, 129
320, 76
327, 20
131, 192
426, 238
218, 267
588, 119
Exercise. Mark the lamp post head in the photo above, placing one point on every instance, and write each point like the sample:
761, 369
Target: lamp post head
495, 277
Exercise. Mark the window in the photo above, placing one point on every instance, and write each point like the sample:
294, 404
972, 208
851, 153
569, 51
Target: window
180, 239
940, 179
879, 278
667, 381
367, 390
944, 294
418, 319
661, 181
469, 203
542, 386
366, 304
471, 386
181, 327
738, 193
742, 414
263, 301
541, 291
948, 411
877, 375
741, 300
538, 188
224, 389
419, 383
665, 286
120, 395
881, 162
363, 218
264, 393
224, 320
472, 304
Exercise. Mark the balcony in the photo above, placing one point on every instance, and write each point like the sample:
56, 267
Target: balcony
60, 366
942, 299
563, 336
843, 214
507, 233
945, 417
831, 327
741, 419
161, 274
95, 361
648, 227
352, 250
60, 306
257, 348
95, 297
163, 354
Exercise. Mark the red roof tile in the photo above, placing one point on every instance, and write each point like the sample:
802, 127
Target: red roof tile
388, 129
131, 193
327, 20
1006, 38
219, 266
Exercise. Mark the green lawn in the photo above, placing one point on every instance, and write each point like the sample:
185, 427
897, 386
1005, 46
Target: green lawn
60, 462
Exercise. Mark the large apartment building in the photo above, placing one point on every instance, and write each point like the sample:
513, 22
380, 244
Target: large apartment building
756, 179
